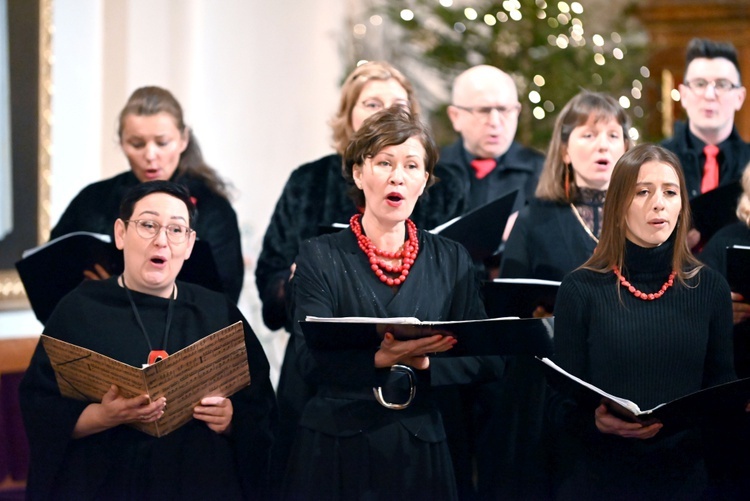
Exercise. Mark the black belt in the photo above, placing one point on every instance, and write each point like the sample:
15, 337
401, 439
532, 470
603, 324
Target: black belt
400, 386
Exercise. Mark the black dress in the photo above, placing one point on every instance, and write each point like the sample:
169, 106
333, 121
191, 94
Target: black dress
192, 462
348, 446
97, 207
314, 198
649, 352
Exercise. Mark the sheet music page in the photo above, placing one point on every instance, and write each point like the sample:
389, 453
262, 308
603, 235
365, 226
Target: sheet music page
213, 366
83, 374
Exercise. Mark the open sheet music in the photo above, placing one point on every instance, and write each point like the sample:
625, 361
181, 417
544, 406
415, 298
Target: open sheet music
213, 366
683, 412
493, 336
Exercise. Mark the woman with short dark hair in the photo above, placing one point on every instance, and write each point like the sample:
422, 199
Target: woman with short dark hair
348, 444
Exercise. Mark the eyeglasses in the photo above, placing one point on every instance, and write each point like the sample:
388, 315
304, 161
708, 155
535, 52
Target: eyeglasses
720, 85
146, 228
375, 105
484, 112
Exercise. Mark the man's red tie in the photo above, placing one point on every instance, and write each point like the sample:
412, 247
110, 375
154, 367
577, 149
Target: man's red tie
710, 169
483, 166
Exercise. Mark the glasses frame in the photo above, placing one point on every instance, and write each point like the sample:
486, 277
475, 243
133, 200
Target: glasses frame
719, 91
485, 111
159, 227
381, 104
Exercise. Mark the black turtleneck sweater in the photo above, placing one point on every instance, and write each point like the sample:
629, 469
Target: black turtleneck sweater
649, 352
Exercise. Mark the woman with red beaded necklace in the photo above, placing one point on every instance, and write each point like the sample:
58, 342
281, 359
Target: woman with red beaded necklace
352, 444
644, 320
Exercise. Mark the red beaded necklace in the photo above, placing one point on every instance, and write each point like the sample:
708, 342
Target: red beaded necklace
407, 253
643, 295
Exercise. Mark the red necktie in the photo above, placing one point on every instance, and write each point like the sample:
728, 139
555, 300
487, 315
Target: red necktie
483, 166
710, 169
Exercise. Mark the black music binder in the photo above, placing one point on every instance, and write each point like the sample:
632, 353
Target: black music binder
684, 412
494, 336
50, 271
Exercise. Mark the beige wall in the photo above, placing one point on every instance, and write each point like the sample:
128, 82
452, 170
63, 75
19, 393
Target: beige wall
258, 81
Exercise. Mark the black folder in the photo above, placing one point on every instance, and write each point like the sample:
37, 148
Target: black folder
518, 297
715, 209
494, 336
481, 230
684, 412
738, 269
50, 271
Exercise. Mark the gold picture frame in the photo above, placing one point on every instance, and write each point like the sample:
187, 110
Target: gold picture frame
30, 61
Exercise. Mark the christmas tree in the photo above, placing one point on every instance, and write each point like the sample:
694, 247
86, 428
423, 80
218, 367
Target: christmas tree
551, 49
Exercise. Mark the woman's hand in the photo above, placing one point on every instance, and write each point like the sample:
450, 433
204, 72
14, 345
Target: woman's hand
98, 273
609, 423
540, 312
216, 412
115, 410
413, 352
740, 309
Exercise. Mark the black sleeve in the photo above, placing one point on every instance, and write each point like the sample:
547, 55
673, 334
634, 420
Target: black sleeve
280, 246
217, 224
314, 295
571, 353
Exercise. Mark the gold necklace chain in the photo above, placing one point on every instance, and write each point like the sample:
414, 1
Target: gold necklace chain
583, 223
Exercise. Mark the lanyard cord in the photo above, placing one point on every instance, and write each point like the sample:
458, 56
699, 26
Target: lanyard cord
170, 309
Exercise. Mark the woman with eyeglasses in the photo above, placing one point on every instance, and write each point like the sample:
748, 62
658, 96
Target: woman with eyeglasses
86, 450
160, 146
315, 198
553, 235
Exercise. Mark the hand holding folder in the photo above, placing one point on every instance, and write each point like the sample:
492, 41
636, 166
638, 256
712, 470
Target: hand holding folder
494, 336
690, 410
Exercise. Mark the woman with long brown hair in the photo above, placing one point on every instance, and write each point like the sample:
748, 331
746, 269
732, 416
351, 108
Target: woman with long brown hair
644, 320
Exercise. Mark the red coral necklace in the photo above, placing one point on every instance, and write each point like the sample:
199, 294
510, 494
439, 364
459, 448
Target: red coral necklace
407, 253
643, 295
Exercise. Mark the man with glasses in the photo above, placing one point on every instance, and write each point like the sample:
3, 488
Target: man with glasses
710, 149
485, 160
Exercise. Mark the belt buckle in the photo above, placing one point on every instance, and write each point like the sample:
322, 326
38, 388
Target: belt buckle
405, 369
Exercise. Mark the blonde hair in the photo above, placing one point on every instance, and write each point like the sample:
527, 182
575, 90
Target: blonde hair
341, 123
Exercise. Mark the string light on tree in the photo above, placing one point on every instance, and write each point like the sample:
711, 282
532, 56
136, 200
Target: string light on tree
535, 41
